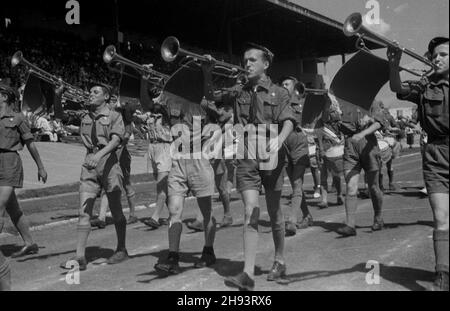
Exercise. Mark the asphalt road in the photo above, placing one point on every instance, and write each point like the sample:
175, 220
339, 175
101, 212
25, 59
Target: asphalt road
317, 258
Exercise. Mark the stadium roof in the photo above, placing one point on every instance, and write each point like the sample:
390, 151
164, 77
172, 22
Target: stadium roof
289, 30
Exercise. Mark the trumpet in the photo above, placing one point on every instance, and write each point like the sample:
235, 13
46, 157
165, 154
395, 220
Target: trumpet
71, 93
171, 49
353, 26
156, 78
302, 89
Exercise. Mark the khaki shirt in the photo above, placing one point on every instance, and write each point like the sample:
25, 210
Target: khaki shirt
107, 123
14, 131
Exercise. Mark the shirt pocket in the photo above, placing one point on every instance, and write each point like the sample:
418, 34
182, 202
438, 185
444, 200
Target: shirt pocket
433, 103
270, 110
11, 131
86, 129
244, 107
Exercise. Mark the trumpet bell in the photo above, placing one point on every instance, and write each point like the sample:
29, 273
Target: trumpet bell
16, 59
170, 49
353, 24
109, 54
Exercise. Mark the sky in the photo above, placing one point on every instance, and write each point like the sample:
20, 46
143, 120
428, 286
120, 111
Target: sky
413, 23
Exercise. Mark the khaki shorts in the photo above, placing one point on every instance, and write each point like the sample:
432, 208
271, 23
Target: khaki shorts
363, 154
436, 166
106, 176
159, 159
11, 170
187, 175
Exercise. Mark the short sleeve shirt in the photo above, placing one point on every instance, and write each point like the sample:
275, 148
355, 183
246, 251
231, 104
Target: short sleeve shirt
107, 123
432, 99
264, 103
14, 131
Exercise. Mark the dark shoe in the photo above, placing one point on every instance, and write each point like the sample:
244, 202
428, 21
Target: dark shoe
118, 257
195, 225
206, 260
346, 231
132, 220
278, 271
340, 201
305, 223
226, 221
364, 194
290, 229
68, 265
440, 282
151, 223
322, 205
98, 223
378, 225
170, 266
241, 281
163, 221
26, 250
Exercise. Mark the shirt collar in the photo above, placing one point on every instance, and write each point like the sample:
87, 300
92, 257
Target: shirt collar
438, 82
104, 112
9, 112
264, 83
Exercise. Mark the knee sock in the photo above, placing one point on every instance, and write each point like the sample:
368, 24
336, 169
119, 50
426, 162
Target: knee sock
440, 239
351, 205
121, 232
251, 242
175, 230
391, 176
377, 201
304, 206
2, 223
82, 233
278, 233
210, 231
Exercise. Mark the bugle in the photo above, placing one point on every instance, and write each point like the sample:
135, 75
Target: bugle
302, 89
353, 26
71, 93
171, 49
110, 55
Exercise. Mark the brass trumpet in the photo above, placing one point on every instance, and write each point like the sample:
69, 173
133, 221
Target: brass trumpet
302, 89
171, 49
156, 78
71, 93
353, 26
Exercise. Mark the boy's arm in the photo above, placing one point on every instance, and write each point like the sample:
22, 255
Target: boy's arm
394, 55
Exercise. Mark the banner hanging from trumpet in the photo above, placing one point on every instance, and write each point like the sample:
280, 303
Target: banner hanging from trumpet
38, 95
358, 82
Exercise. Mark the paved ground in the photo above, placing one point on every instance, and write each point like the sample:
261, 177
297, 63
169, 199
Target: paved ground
317, 258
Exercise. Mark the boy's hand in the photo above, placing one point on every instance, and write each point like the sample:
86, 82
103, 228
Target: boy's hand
42, 175
394, 55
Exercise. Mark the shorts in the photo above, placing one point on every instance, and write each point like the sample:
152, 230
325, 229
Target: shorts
11, 170
250, 177
159, 158
106, 176
363, 154
334, 165
396, 149
435, 167
297, 148
125, 165
192, 175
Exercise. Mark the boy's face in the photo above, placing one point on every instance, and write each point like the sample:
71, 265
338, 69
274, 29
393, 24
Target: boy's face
440, 59
97, 96
289, 85
255, 63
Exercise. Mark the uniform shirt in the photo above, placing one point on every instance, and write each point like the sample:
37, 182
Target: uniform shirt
14, 131
157, 130
107, 123
264, 103
432, 99
351, 128
297, 141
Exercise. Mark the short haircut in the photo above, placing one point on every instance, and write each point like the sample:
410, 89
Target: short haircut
267, 54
